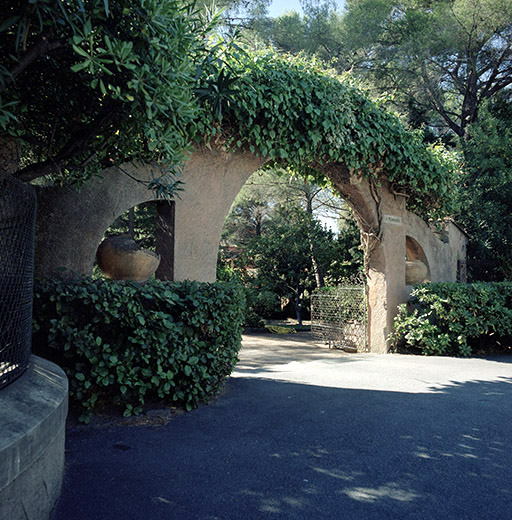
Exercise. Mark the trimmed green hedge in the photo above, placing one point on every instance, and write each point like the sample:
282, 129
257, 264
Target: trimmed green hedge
454, 319
124, 342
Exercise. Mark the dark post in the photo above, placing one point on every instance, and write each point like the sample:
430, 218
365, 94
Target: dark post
164, 236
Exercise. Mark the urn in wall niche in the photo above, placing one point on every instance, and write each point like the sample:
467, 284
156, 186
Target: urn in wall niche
415, 272
120, 258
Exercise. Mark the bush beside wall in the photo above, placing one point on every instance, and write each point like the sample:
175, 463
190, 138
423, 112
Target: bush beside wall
125, 343
455, 319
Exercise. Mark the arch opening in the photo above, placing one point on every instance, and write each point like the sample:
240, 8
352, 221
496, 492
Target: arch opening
282, 238
142, 233
417, 268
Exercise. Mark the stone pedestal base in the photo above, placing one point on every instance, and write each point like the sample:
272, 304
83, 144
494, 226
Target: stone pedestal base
32, 431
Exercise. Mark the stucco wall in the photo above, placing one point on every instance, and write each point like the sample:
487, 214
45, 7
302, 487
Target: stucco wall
212, 181
442, 249
386, 281
71, 224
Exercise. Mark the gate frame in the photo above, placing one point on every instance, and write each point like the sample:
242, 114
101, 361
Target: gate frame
339, 338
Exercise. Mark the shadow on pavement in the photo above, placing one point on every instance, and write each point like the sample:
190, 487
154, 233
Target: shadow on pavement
274, 449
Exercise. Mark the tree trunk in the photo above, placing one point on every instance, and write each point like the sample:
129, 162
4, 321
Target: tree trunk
470, 101
298, 311
319, 277
164, 235
131, 223
9, 155
297, 303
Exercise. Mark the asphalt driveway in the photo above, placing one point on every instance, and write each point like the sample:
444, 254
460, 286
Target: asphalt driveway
302, 432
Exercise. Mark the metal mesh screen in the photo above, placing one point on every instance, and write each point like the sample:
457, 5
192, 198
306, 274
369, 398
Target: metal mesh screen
338, 316
17, 221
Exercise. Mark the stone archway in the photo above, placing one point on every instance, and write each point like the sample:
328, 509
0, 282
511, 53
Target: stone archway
414, 251
380, 214
71, 225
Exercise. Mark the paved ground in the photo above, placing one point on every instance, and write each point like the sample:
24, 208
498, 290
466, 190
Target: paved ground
302, 432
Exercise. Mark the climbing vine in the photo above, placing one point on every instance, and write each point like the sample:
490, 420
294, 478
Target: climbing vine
96, 85
299, 114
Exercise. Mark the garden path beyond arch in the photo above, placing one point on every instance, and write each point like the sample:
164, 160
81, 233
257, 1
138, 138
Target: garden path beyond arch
71, 224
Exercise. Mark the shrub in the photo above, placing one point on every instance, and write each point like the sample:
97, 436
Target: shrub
454, 319
125, 342
263, 302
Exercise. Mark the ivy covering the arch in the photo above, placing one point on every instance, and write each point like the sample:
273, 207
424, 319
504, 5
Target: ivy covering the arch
300, 114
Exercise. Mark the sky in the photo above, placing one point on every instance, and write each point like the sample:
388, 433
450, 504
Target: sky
278, 7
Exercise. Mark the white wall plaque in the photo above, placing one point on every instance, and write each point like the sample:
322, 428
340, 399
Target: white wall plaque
392, 219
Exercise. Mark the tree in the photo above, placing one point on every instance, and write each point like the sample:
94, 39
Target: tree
282, 255
485, 207
277, 216
437, 60
139, 222
251, 210
440, 64
265, 194
88, 85
317, 32
237, 16
444, 56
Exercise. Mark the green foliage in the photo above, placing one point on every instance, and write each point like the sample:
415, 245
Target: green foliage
318, 31
453, 319
98, 83
124, 343
282, 257
277, 329
485, 196
431, 60
251, 209
346, 257
264, 193
299, 114
276, 213
144, 222
434, 55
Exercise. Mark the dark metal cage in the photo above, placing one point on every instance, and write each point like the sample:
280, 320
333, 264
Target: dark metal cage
17, 223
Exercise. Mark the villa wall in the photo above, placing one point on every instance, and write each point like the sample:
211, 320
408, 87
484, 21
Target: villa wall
443, 248
71, 225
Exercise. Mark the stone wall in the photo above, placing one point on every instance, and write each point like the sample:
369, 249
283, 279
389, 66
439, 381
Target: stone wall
33, 417
71, 226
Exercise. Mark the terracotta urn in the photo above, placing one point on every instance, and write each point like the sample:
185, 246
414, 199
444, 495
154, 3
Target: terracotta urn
120, 258
415, 272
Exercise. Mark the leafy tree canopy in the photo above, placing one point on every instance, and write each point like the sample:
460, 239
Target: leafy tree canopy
91, 84
445, 56
436, 60
299, 114
86, 84
289, 252
267, 191
485, 197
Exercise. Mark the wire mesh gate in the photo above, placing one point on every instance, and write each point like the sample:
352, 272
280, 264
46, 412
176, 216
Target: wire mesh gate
339, 316
17, 221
